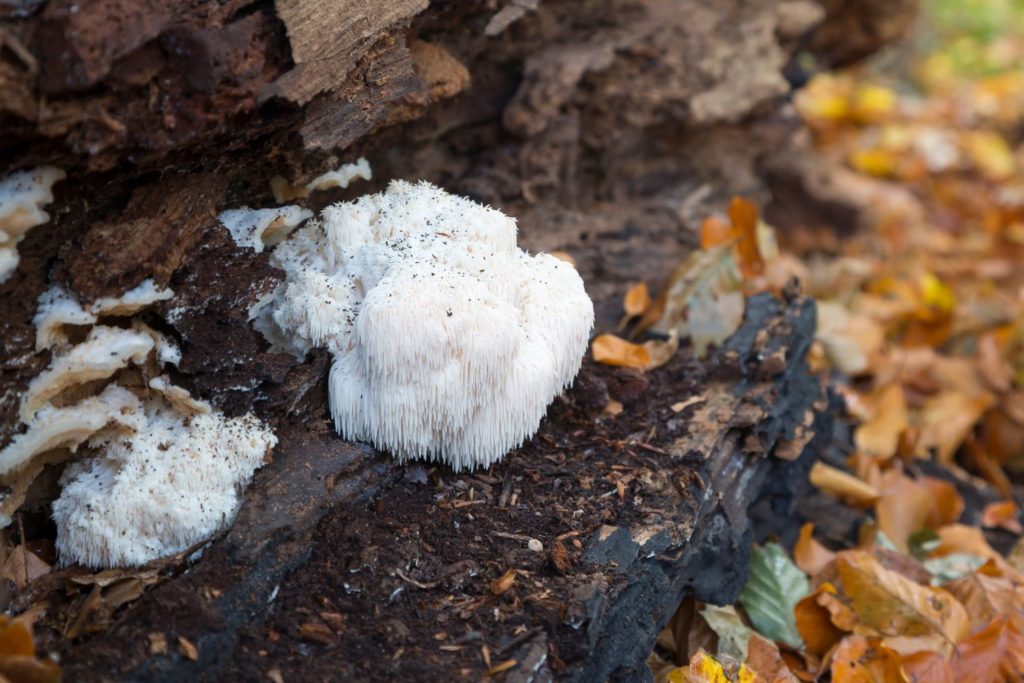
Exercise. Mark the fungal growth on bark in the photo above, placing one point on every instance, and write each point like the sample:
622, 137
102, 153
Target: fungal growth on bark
22, 197
449, 341
163, 470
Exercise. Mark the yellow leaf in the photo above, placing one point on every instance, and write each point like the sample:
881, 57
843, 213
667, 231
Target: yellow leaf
990, 154
880, 163
842, 485
873, 103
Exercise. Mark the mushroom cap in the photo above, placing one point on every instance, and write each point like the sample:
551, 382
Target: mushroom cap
22, 197
105, 351
449, 342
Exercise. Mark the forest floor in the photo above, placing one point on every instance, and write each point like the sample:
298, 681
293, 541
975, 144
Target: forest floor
909, 564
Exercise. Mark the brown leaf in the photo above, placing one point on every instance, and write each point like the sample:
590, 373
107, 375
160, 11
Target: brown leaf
894, 605
994, 654
947, 419
503, 582
810, 555
865, 660
157, 644
1002, 515
927, 667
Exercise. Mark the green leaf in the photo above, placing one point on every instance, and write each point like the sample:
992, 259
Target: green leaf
775, 585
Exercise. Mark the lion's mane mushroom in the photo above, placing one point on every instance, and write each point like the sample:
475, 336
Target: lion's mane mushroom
22, 197
172, 483
449, 342
259, 228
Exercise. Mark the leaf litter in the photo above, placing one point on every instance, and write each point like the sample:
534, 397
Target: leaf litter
921, 334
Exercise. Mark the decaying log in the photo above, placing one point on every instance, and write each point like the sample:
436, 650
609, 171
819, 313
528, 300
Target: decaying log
609, 128
343, 565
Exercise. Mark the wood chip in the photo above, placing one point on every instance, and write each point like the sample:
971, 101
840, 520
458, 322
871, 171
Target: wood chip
504, 666
188, 648
157, 644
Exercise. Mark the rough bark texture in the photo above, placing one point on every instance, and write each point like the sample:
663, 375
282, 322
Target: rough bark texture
608, 127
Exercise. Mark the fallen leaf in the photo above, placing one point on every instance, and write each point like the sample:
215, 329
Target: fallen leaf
865, 660
774, 587
987, 594
157, 644
503, 582
814, 620
612, 350
995, 654
1002, 515
947, 419
903, 508
927, 667
893, 605
637, 299
743, 217
765, 660
842, 485
947, 503
879, 436
732, 633
703, 300
810, 555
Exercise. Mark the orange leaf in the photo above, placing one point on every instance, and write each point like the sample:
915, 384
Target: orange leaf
947, 419
927, 667
503, 582
16, 640
637, 299
810, 555
994, 654
1002, 515
612, 350
865, 660
842, 484
947, 503
743, 216
814, 621
714, 232
880, 435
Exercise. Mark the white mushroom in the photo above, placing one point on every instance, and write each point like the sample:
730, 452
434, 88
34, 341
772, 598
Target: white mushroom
105, 351
284, 191
173, 483
259, 228
58, 308
179, 397
69, 427
22, 197
449, 342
